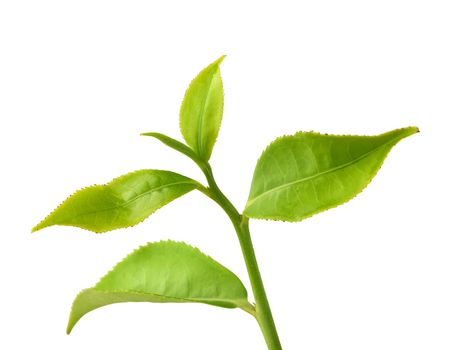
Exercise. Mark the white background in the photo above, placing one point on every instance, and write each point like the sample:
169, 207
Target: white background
80, 80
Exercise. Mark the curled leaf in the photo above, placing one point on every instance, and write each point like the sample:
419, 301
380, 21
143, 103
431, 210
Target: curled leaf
174, 144
164, 272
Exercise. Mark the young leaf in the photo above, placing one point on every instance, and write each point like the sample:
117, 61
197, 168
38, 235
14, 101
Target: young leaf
301, 175
201, 110
123, 202
176, 145
164, 272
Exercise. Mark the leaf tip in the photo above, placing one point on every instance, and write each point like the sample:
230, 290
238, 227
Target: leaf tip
38, 227
407, 131
71, 324
219, 60
413, 130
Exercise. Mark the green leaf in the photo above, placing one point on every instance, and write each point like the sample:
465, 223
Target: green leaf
123, 202
176, 145
301, 175
164, 272
201, 110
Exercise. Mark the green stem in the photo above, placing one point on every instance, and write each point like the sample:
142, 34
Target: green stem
263, 311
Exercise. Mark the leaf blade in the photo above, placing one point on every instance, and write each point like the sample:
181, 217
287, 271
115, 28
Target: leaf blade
174, 144
163, 272
301, 175
123, 202
201, 110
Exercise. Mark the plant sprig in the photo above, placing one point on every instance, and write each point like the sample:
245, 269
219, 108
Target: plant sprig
297, 176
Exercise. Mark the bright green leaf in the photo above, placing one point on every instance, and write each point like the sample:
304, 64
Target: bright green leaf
201, 111
123, 202
176, 145
164, 272
301, 175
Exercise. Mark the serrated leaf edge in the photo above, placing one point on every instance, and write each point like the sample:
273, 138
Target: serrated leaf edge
41, 225
242, 304
165, 242
412, 129
210, 66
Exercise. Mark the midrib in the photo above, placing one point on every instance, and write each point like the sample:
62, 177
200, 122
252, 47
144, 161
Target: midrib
127, 203
201, 116
292, 183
